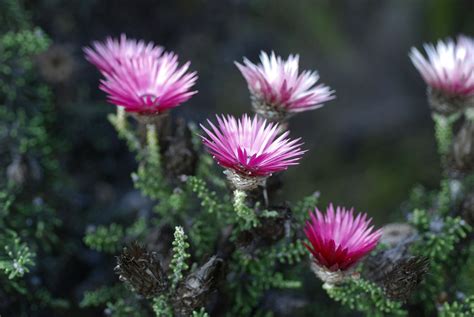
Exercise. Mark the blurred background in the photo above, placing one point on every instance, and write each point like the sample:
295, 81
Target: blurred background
367, 148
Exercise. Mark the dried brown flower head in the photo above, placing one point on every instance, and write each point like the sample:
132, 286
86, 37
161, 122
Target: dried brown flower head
405, 277
382, 262
194, 290
141, 270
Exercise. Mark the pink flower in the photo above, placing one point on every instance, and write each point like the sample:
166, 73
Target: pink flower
112, 53
338, 240
149, 85
276, 86
449, 67
251, 148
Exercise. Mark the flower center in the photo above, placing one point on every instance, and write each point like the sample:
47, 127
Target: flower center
150, 99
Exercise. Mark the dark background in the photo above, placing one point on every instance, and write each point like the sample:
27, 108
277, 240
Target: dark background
367, 148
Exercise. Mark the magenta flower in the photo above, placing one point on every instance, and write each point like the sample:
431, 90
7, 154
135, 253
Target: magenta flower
449, 68
339, 240
148, 85
278, 90
250, 149
112, 53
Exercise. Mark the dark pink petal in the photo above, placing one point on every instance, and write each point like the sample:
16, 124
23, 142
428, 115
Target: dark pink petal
449, 66
139, 76
251, 147
278, 83
338, 240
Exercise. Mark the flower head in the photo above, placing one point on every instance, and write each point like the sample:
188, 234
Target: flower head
277, 88
338, 240
112, 53
449, 68
141, 270
251, 149
148, 85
